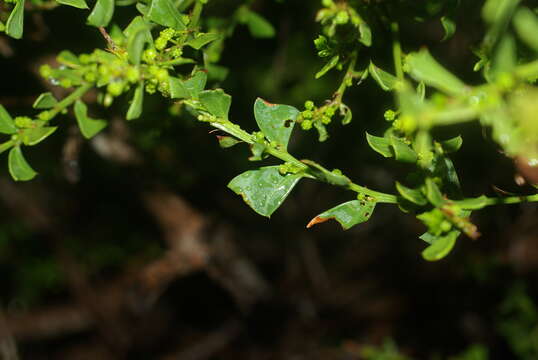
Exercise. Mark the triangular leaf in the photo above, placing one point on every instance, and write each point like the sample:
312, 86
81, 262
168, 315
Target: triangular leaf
163, 12
19, 169
216, 102
347, 214
45, 101
275, 121
102, 13
88, 127
15, 22
34, 136
265, 189
7, 125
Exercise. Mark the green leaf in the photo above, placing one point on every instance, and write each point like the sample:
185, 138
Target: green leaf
365, 34
7, 125
423, 67
385, 80
347, 114
449, 26
526, 24
265, 189
473, 203
19, 169
380, 144
275, 121
195, 84
347, 214
216, 102
15, 22
67, 58
177, 89
135, 109
328, 66
80, 4
227, 141
88, 127
202, 39
452, 145
34, 136
102, 13
433, 193
441, 246
505, 57
413, 195
45, 101
402, 151
163, 12
138, 35
258, 26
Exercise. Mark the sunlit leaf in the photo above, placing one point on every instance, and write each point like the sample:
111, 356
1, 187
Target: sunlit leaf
380, 144
526, 24
15, 22
45, 101
440, 245
423, 67
328, 66
34, 136
402, 151
80, 4
135, 109
163, 12
7, 125
217, 102
265, 189
102, 13
88, 127
449, 26
347, 214
452, 145
433, 193
202, 39
19, 168
413, 195
385, 80
275, 121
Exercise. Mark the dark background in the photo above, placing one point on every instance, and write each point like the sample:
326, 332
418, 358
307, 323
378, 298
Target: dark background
150, 256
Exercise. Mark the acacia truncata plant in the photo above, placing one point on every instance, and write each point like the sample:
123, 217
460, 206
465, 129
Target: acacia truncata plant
144, 58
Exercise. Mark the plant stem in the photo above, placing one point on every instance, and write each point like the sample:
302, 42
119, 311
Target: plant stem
241, 134
512, 200
67, 101
397, 50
